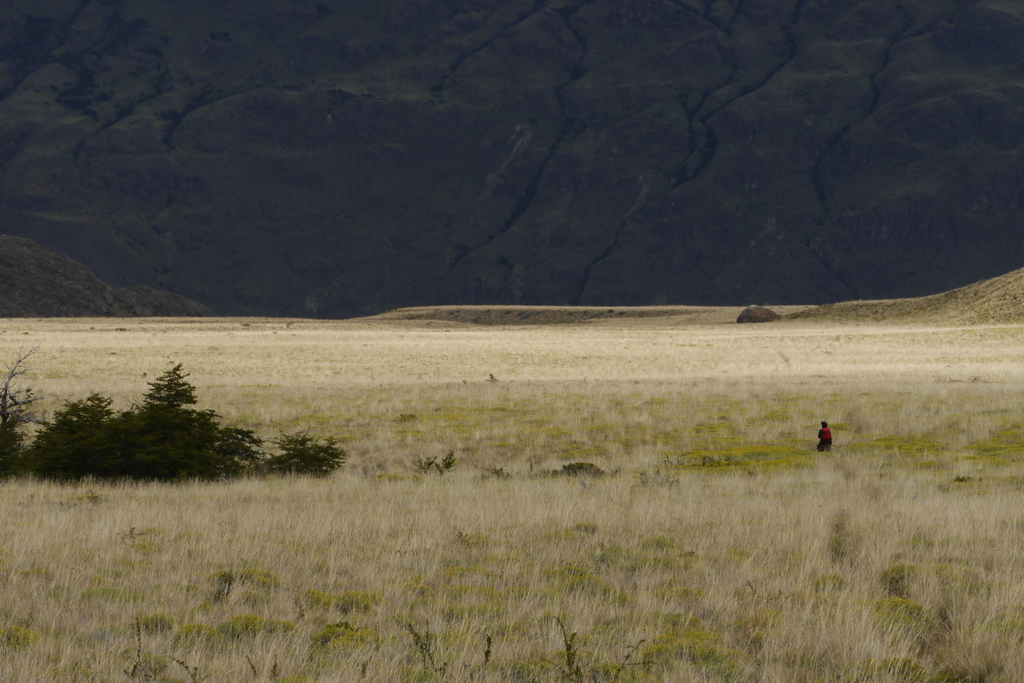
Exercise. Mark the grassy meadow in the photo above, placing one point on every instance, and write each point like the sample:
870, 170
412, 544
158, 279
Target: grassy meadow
717, 545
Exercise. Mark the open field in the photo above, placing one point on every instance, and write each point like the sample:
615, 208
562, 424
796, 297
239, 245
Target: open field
717, 547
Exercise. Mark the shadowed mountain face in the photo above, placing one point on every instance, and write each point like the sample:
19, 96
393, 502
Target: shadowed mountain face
342, 157
41, 283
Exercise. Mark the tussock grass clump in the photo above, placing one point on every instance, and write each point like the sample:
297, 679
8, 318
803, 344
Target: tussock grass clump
896, 580
904, 618
342, 634
17, 637
345, 602
245, 625
156, 623
195, 634
687, 639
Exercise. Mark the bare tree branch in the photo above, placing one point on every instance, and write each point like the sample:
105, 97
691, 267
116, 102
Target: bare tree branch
16, 402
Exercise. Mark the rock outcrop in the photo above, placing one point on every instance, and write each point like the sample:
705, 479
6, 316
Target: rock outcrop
757, 314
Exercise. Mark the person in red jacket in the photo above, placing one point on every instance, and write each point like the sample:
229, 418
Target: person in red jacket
825, 438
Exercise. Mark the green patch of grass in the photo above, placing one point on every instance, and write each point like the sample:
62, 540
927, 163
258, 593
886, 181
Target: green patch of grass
744, 457
1006, 443
775, 416
907, 446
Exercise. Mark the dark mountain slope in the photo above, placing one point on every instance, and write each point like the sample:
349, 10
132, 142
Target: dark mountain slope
41, 283
347, 156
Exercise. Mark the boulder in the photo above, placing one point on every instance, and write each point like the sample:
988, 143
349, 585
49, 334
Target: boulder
757, 314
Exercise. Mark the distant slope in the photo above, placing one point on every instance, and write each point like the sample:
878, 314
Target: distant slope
345, 157
999, 300
38, 282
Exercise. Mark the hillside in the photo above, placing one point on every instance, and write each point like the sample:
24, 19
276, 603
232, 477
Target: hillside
41, 283
999, 300
344, 157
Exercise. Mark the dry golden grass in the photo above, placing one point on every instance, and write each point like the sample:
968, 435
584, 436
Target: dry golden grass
719, 546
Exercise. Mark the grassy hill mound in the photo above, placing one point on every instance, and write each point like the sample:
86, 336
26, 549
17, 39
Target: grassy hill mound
999, 300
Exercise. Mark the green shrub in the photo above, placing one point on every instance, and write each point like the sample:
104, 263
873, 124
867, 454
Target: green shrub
581, 469
446, 464
301, 453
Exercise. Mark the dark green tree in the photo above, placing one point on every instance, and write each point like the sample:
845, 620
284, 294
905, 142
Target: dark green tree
80, 441
170, 391
165, 438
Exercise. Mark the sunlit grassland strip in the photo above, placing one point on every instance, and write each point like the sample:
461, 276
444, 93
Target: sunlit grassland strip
718, 546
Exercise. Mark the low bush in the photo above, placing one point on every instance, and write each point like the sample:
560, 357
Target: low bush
301, 453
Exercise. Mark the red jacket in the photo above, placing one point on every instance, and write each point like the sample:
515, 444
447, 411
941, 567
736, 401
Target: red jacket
825, 434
